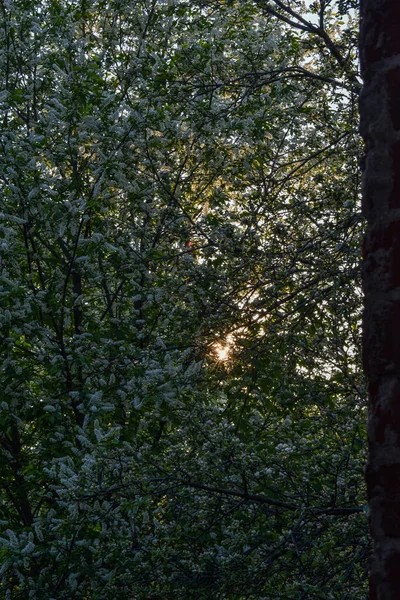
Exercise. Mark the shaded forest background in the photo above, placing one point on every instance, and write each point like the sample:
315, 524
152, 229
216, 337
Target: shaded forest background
183, 408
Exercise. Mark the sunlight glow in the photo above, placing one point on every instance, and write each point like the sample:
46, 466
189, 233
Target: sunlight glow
222, 352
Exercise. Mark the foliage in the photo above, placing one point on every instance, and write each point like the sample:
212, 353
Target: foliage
176, 178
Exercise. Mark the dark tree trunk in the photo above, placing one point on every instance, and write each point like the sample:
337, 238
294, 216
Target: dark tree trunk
380, 128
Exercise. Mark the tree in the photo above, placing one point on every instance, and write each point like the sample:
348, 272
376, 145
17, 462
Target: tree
379, 51
178, 176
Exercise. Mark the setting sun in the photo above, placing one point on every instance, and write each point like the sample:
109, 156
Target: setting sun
222, 352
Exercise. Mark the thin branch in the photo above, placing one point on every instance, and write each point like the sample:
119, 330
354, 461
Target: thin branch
339, 511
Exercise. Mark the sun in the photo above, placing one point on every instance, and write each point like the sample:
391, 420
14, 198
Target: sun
222, 352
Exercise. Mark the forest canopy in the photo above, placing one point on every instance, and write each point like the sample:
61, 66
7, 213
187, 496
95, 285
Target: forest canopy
182, 403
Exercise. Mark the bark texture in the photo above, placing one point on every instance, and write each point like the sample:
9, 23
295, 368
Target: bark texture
380, 128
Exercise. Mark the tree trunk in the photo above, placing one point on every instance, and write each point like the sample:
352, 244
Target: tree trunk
380, 128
